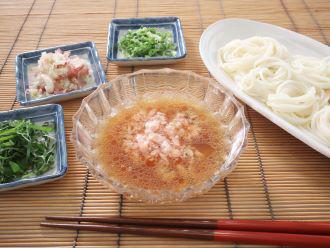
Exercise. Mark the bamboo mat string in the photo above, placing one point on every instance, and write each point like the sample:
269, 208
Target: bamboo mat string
121, 200
315, 21
18, 34
114, 15
82, 205
13, 103
294, 26
45, 25
87, 175
136, 15
120, 211
226, 186
261, 166
228, 200
222, 10
229, 205
39, 40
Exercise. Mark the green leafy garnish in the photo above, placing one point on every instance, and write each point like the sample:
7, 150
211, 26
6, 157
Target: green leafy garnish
26, 149
147, 42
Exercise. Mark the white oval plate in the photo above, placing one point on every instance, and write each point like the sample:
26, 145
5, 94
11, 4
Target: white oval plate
223, 31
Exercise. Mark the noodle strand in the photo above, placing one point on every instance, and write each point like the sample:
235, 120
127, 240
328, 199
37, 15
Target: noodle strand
297, 88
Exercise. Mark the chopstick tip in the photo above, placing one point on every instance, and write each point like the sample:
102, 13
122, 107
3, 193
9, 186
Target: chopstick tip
52, 217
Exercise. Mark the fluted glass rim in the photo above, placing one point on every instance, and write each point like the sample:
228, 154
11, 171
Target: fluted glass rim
161, 196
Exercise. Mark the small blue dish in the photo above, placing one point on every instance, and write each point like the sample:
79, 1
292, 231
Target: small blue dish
23, 60
119, 27
50, 112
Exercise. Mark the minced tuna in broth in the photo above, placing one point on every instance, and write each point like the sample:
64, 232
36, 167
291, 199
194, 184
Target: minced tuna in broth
161, 143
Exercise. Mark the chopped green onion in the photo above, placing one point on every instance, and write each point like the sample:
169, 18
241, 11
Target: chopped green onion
147, 42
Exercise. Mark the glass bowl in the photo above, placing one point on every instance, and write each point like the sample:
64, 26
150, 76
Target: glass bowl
124, 90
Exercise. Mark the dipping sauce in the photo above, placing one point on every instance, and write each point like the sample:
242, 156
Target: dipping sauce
161, 143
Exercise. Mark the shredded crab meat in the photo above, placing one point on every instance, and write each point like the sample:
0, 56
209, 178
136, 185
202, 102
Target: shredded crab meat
58, 73
157, 139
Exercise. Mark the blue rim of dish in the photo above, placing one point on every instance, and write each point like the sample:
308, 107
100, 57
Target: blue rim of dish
144, 22
19, 74
61, 151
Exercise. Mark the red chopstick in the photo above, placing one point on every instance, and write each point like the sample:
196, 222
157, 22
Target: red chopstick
281, 226
260, 238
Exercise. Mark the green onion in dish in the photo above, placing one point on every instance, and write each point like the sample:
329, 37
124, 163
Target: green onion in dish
147, 42
26, 149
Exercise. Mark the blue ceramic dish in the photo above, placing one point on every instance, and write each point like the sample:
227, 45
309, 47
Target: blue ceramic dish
119, 27
51, 113
23, 60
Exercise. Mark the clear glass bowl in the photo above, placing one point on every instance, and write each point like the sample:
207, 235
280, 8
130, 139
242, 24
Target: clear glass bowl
123, 90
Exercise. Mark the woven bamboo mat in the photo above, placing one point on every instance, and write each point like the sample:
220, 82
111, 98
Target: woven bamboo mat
278, 177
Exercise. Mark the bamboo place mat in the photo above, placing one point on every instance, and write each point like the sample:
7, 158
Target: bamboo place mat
278, 177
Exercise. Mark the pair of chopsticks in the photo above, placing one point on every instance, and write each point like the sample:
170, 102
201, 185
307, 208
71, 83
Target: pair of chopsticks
263, 232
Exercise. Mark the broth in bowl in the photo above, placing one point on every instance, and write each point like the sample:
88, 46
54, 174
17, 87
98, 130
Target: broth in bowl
161, 143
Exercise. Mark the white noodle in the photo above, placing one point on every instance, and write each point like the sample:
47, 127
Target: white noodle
320, 124
253, 86
265, 76
295, 101
238, 56
296, 88
312, 70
